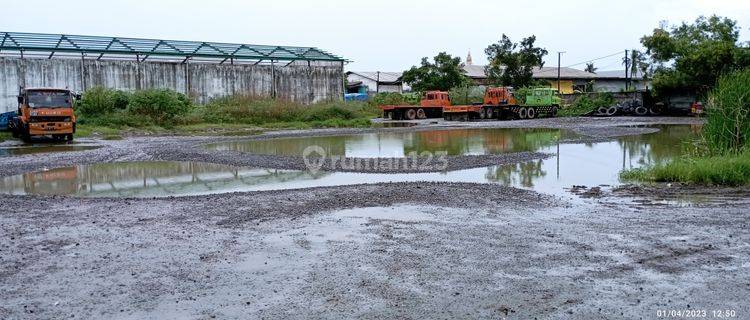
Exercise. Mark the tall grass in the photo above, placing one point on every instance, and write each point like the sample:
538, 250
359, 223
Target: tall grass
732, 170
260, 111
164, 108
727, 128
723, 157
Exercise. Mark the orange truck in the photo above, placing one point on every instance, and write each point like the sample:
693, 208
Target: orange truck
431, 106
44, 112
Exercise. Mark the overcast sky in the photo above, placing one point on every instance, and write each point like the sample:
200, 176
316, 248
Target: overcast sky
381, 35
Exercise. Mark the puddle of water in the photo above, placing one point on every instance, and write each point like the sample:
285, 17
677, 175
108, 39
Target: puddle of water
44, 148
589, 164
400, 144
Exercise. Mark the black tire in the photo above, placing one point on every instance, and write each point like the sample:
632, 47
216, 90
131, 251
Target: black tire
69, 137
641, 111
531, 113
601, 111
611, 111
421, 114
489, 113
522, 113
553, 112
411, 114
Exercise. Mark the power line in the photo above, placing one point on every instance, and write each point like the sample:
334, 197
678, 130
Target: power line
592, 60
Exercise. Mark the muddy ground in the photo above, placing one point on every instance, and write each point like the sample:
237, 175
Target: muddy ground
396, 250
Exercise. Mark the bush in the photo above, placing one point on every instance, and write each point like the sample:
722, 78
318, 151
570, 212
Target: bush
585, 104
467, 95
99, 100
727, 128
395, 98
160, 105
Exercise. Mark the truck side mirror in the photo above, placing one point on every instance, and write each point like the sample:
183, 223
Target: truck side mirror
20, 99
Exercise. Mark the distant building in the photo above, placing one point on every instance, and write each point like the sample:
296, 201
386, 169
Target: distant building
614, 81
372, 82
571, 80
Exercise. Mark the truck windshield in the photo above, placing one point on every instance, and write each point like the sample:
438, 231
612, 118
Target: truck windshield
47, 99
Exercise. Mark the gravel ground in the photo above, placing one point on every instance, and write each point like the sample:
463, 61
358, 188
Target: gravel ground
396, 250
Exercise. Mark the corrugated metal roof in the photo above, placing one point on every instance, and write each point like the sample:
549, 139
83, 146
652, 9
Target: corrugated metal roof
42, 42
384, 77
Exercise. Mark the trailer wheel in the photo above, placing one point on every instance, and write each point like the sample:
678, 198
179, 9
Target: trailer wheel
641, 111
531, 113
411, 114
421, 114
522, 113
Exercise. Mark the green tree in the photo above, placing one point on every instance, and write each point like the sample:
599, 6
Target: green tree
445, 73
590, 67
512, 64
691, 56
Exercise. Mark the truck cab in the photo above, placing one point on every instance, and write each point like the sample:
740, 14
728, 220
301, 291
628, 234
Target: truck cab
435, 99
431, 106
499, 96
45, 112
542, 97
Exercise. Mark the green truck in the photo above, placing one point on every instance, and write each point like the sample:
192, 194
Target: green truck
542, 101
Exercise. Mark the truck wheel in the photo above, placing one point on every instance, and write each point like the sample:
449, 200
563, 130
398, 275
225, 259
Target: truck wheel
411, 114
522, 113
421, 114
553, 113
69, 137
531, 113
482, 114
489, 113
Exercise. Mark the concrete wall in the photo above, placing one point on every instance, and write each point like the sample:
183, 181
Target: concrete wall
298, 82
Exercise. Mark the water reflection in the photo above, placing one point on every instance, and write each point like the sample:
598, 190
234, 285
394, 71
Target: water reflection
589, 164
144, 179
34, 149
400, 144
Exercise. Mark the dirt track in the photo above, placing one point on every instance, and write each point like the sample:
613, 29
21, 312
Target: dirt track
397, 250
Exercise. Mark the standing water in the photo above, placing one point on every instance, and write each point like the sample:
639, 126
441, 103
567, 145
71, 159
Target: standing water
589, 164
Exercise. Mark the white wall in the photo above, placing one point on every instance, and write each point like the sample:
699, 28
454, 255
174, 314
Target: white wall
202, 82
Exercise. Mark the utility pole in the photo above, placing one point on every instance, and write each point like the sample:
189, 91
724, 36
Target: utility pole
377, 83
627, 66
559, 54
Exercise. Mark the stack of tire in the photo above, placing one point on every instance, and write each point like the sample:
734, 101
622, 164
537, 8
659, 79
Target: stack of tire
632, 107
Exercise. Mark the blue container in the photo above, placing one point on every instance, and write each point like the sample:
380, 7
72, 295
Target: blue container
355, 97
5, 119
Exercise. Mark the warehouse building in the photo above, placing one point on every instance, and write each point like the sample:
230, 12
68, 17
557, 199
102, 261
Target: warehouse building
372, 82
202, 70
571, 80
